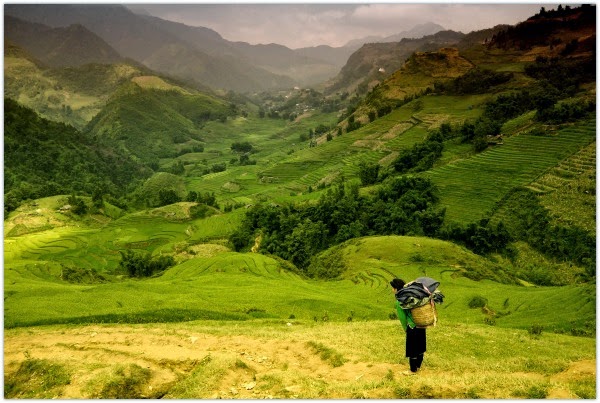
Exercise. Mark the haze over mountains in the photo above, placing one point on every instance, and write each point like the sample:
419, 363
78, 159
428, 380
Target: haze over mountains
197, 54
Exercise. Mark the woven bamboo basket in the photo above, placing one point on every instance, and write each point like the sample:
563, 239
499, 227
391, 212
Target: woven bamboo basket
425, 315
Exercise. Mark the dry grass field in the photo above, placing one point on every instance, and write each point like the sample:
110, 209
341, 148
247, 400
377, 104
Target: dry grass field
292, 359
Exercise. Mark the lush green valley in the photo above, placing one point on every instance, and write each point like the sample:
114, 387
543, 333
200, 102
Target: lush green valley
139, 205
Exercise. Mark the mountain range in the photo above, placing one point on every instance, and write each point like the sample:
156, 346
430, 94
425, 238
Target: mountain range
195, 54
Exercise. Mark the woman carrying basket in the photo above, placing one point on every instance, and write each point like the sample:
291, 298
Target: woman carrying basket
416, 338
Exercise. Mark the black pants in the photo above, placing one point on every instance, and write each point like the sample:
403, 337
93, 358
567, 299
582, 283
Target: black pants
416, 345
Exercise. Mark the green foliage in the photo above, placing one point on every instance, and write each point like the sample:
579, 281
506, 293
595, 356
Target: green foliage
562, 73
297, 232
420, 157
566, 112
143, 264
78, 275
531, 222
481, 237
78, 205
44, 158
535, 330
475, 81
477, 302
241, 147
368, 173
167, 196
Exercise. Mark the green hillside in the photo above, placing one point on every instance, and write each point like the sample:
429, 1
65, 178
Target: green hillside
471, 188
505, 180
153, 122
44, 158
201, 287
72, 95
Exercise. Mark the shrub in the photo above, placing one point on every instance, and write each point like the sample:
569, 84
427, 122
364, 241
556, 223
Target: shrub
142, 264
535, 330
478, 302
81, 275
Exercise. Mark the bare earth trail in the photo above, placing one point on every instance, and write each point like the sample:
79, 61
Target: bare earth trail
244, 367
170, 355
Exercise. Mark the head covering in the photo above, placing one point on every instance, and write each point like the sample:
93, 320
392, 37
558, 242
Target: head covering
397, 283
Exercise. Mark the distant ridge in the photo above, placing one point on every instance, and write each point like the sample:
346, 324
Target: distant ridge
416, 32
73, 45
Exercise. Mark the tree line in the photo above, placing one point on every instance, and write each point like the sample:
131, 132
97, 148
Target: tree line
44, 158
402, 205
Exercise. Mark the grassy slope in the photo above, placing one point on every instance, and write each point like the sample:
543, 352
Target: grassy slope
72, 95
291, 172
202, 288
470, 188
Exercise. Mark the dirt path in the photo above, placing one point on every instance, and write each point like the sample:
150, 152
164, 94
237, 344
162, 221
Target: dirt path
187, 362
170, 355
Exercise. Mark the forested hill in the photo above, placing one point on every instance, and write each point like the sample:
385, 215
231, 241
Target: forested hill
151, 119
567, 31
44, 158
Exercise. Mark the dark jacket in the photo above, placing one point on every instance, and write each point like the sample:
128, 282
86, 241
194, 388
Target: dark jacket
418, 292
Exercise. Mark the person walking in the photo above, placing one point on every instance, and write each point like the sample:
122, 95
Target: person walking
416, 338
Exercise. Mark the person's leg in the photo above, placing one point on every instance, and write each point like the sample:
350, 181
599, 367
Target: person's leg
419, 361
414, 363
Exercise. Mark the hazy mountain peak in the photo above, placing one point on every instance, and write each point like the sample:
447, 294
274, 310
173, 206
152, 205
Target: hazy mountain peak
418, 31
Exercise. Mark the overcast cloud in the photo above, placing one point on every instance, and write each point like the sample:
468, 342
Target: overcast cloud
311, 24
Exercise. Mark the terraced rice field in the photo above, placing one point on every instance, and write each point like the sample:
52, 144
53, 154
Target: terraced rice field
470, 188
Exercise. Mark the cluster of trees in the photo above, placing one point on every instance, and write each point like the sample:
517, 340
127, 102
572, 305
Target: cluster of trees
421, 156
368, 172
243, 149
539, 29
402, 205
533, 224
566, 112
564, 75
352, 124
77, 204
143, 264
44, 158
475, 81
481, 237
170, 196
207, 198
316, 132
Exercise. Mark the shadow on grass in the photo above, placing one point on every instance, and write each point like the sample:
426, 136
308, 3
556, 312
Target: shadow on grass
157, 316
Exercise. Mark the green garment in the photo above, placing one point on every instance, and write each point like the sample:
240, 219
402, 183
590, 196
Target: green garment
405, 317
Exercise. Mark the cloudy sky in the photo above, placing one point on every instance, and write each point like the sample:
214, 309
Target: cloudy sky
309, 24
